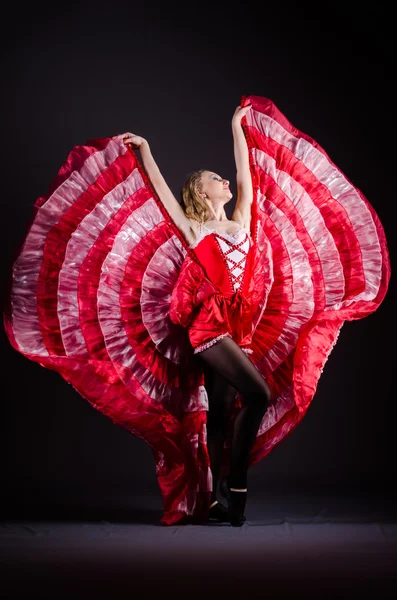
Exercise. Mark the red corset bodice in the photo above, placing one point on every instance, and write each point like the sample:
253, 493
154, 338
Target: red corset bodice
225, 258
213, 294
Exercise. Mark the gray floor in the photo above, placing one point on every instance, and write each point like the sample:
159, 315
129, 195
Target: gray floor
303, 547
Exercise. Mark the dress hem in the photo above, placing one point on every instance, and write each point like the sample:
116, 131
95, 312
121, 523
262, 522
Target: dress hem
214, 341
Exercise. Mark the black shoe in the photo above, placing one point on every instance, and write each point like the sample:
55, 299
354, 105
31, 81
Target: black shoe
236, 503
219, 513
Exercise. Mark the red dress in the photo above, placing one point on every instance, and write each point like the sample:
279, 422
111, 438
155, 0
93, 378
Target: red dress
106, 291
222, 304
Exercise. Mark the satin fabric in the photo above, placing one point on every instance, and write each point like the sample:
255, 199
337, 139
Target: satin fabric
106, 291
215, 308
222, 315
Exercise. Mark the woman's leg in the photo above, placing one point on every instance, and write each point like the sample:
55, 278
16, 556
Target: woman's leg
221, 396
232, 364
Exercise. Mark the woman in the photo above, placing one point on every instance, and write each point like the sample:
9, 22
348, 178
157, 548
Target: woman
204, 336
204, 197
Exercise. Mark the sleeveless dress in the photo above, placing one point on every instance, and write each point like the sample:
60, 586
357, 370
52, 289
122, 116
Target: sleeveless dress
106, 291
226, 262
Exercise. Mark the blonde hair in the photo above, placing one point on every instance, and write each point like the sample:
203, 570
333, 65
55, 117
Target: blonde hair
193, 205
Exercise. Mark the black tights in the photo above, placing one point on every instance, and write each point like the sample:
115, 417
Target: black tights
230, 370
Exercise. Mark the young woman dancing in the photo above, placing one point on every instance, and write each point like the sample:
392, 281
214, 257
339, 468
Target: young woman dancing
205, 336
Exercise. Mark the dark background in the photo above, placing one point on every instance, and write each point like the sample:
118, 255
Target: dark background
175, 75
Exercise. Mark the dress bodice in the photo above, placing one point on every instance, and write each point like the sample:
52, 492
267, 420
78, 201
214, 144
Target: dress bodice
232, 237
232, 249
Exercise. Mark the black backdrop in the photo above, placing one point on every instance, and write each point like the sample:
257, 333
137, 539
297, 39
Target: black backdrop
175, 75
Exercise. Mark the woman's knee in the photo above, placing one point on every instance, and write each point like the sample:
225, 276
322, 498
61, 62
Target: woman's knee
259, 399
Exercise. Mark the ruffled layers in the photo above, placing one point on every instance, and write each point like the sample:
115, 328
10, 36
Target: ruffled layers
90, 298
93, 294
330, 263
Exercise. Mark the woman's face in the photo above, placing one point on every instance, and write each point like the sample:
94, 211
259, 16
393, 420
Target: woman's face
215, 187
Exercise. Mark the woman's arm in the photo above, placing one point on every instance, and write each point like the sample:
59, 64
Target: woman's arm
158, 182
242, 211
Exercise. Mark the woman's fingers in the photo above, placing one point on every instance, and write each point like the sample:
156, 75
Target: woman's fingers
130, 138
242, 110
121, 136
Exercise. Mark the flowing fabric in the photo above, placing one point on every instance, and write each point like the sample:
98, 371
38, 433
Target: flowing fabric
93, 290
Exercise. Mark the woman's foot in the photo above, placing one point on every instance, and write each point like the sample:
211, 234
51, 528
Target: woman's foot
219, 513
236, 500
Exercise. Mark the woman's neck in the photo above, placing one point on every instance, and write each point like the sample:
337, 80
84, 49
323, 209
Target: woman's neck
218, 213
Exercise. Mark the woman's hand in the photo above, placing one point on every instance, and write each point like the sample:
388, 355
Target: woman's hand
130, 138
239, 113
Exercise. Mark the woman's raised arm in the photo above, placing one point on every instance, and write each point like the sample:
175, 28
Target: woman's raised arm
158, 182
242, 211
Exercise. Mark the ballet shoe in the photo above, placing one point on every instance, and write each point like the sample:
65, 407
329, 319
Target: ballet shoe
236, 503
219, 513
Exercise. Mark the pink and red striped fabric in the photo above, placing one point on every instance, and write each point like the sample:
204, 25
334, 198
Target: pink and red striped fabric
330, 262
91, 291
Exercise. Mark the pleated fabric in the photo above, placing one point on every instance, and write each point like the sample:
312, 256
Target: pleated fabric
329, 256
92, 293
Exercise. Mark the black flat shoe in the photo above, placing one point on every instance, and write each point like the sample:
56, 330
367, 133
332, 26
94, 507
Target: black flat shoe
220, 514
236, 503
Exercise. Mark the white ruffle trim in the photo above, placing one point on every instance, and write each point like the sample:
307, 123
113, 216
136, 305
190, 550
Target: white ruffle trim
214, 341
210, 343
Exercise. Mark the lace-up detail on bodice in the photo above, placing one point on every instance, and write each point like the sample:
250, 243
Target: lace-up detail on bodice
235, 256
234, 249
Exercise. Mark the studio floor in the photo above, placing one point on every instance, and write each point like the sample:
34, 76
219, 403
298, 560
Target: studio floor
298, 546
